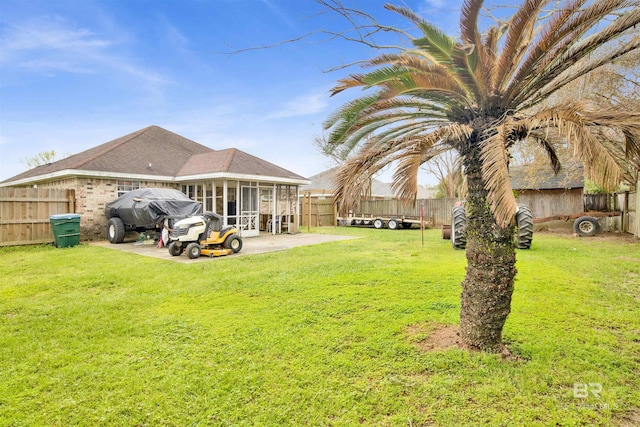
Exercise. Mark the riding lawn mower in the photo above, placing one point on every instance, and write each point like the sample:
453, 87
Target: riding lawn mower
203, 235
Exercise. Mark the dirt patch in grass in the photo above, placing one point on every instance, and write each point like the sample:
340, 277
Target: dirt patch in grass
609, 236
430, 337
628, 258
630, 419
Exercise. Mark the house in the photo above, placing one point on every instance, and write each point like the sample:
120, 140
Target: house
548, 194
322, 185
244, 189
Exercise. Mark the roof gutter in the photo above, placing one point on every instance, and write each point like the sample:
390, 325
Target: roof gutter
69, 173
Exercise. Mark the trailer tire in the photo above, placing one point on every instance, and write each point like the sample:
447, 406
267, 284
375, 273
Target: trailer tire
193, 250
586, 226
115, 230
524, 221
459, 223
392, 224
406, 224
378, 223
175, 248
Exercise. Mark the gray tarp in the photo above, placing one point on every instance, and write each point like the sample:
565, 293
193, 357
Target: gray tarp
147, 207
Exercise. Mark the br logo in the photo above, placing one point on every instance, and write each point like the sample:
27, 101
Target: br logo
582, 390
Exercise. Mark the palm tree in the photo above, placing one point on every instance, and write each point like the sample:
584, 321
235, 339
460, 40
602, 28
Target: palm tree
479, 95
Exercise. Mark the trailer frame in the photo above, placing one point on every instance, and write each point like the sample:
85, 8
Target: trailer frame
392, 222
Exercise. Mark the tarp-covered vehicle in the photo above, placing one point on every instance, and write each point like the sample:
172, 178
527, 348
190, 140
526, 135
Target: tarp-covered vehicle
147, 209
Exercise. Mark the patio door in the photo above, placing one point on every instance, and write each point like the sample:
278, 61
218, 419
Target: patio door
249, 211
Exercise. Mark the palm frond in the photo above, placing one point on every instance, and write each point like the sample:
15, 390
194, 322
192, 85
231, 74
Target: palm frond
547, 77
352, 81
490, 46
385, 74
553, 39
554, 160
422, 149
466, 69
527, 129
574, 122
486, 58
355, 174
392, 128
519, 31
627, 122
495, 174
469, 21
632, 146
342, 120
435, 43
575, 72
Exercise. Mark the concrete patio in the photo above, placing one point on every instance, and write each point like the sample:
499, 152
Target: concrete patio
250, 245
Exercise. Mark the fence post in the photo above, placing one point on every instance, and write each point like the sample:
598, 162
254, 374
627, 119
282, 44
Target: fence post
309, 212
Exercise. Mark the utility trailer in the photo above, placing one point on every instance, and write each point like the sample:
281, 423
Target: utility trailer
392, 222
585, 224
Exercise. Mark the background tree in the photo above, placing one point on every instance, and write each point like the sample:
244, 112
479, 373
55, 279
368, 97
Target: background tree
479, 95
615, 85
447, 169
40, 159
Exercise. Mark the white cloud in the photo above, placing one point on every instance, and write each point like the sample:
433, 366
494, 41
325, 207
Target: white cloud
48, 45
304, 105
40, 37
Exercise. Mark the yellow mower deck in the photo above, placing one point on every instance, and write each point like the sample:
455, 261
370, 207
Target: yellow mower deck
215, 252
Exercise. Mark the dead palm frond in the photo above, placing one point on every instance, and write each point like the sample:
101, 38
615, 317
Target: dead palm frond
476, 96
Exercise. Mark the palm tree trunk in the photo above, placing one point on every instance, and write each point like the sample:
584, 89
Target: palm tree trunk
488, 285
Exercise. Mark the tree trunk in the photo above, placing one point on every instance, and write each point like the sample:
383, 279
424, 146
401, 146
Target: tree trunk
488, 285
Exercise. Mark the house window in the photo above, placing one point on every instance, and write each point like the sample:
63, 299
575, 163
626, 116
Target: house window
126, 186
189, 190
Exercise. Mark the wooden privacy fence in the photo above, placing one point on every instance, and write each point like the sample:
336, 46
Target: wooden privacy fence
25, 212
436, 211
320, 211
601, 202
317, 212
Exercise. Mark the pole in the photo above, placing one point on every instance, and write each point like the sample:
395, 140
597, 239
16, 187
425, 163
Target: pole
422, 222
309, 212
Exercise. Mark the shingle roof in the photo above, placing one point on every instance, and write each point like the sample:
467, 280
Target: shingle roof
233, 161
534, 178
324, 181
165, 151
154, 151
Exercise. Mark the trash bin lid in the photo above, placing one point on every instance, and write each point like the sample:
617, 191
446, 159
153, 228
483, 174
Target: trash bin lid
65, 216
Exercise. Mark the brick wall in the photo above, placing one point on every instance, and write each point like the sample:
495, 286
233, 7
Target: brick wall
92, 195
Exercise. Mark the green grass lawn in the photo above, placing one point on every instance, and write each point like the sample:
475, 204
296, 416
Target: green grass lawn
315, 335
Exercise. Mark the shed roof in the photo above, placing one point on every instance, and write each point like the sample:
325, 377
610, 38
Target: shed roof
325, 182
529, 177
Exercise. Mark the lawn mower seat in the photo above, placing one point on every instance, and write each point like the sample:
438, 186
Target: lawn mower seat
214, 222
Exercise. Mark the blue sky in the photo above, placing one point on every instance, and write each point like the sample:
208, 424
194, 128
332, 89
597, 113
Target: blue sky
78, 73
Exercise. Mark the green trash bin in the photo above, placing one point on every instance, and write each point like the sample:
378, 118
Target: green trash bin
66, 229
